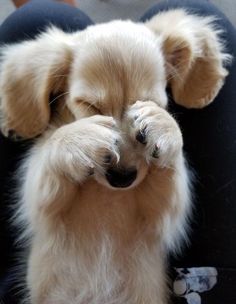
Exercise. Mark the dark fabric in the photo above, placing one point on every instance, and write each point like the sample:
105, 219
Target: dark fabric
32, 18
210, 145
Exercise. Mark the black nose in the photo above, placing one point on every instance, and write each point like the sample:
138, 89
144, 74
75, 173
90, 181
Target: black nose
121, 178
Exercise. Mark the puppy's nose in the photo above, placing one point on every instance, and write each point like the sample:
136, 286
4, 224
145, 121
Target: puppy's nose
121, 178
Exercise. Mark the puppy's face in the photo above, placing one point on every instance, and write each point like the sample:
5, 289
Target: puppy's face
116, 66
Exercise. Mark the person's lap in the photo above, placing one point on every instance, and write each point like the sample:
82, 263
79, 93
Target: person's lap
209, 137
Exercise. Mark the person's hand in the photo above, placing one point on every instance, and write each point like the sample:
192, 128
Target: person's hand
19, 3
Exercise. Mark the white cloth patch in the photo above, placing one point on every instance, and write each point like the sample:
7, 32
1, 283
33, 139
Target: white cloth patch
192, 281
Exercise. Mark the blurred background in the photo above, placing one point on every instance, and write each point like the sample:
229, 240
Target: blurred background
104, 10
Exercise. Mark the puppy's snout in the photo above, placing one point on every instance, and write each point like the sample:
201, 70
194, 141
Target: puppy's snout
121, 178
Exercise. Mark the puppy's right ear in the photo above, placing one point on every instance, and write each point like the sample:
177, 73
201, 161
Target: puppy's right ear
195, 56
30, 72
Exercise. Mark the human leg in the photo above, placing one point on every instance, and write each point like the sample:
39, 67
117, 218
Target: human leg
33, 17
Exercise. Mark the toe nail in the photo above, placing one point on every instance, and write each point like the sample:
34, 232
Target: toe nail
155, 153
91, 171
141, 136
12, 135
107, 159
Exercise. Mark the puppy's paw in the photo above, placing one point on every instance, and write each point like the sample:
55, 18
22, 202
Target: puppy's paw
157, 131
86, 146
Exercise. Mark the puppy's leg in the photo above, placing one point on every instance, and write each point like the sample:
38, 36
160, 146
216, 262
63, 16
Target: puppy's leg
71, 154
56, 166
162, 142
160, 138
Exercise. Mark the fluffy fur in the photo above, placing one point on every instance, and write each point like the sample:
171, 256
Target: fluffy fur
93, 243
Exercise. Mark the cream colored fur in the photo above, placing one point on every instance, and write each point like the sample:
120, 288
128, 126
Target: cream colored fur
92, 243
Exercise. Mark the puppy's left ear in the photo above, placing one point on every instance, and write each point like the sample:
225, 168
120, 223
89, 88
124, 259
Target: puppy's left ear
193, 54
31, 72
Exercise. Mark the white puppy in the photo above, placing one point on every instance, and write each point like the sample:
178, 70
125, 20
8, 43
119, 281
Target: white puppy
105, 191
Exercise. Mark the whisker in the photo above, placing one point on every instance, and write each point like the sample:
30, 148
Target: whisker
90, 104
173, 70
60, 75
57, 97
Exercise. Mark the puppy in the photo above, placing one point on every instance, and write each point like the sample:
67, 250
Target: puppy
105, 190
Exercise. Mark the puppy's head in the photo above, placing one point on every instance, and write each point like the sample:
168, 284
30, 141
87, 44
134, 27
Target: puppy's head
105, 69
118, 64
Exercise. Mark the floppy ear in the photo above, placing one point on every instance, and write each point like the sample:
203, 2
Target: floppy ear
30, 71
194, 56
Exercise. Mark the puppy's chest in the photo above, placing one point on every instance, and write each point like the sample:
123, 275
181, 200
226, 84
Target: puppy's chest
98, 210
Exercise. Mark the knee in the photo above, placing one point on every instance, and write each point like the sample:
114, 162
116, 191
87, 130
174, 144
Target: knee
203, 8
32, 18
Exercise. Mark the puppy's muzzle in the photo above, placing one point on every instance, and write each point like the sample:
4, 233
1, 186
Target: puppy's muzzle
121, 178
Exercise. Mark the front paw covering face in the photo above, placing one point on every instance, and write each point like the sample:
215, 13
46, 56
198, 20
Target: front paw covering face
159, 146
124, 165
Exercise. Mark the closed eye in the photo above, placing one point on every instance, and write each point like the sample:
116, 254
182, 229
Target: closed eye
89, 106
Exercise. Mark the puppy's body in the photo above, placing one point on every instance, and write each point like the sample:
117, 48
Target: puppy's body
106, 247
105, 191
100, 245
